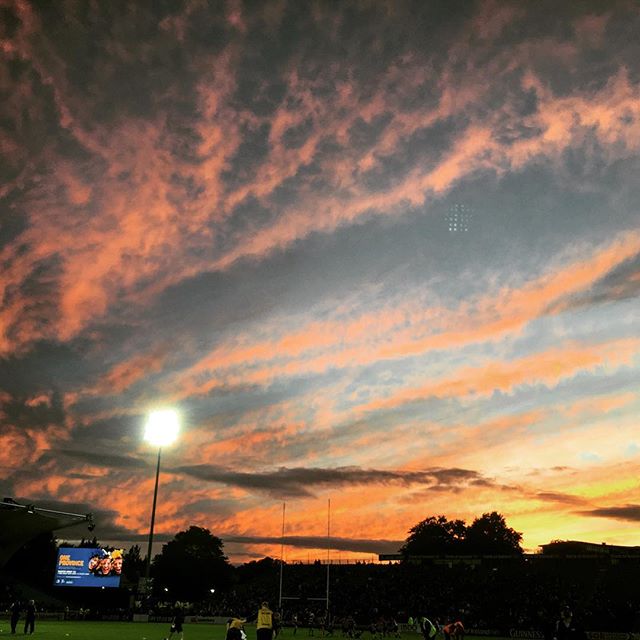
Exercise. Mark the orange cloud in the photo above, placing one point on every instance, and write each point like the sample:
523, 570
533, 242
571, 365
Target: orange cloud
126, 373
547, 368
154, 232
405, 329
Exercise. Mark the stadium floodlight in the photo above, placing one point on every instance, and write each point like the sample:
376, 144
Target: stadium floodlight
161, 430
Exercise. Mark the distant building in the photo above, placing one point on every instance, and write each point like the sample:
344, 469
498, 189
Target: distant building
556, 550
577, 548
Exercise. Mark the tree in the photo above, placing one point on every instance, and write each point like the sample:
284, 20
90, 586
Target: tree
435, 535
133, 564
89, 543
490, 534
191, 565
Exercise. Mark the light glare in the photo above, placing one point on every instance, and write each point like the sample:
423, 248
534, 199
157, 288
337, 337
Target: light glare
162, 428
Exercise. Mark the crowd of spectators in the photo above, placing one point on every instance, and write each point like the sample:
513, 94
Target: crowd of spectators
519, 593
501, 595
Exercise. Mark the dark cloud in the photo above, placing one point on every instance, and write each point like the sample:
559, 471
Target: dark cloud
46, 366
629, 513
146, 56
455, 476
320, 542
12, 224
99, 458
105, 433
298, 482
33, 413
106, 531
563, 498
82, 476
209, 507
38, 298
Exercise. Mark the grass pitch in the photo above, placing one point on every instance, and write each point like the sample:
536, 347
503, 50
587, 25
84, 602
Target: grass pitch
77, 630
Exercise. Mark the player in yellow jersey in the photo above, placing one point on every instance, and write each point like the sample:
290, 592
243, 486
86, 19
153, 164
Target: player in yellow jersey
264, 623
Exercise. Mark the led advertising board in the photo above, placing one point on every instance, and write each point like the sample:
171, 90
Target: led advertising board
88, 567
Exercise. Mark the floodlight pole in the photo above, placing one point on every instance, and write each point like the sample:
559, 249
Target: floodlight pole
153, 517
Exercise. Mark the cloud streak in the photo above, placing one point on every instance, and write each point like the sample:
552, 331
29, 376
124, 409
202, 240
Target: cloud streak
319, 542
627, 512
299, 482
166, 177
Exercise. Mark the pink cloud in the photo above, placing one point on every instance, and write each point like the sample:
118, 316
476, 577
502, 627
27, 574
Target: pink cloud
126, 373
547, 368
403, 330
151, 234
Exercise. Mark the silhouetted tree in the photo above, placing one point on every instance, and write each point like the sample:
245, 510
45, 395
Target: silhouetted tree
490, 534
191, 565
89, 543
267, 566
262, 575
435, 535
133, 564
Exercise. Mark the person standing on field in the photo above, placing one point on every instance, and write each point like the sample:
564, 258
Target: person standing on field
30, 618
177, 622
235, 629
15, 615
566, 627
453, 631
264, 623
427, 628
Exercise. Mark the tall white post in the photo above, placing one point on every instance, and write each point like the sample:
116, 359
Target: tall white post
328, 555
281, 557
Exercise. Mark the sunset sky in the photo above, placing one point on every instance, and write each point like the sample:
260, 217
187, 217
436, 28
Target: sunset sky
382, 253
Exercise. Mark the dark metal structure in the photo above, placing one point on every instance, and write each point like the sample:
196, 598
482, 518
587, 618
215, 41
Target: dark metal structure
20, 523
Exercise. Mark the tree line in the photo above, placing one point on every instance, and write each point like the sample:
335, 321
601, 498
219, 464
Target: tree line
486, 535
193, 563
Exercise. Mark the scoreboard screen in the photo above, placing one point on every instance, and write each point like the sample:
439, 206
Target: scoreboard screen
88, 567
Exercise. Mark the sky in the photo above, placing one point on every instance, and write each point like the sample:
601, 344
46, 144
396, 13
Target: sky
385, 254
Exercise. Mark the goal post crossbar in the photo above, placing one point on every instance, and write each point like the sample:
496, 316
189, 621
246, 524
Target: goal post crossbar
282, 540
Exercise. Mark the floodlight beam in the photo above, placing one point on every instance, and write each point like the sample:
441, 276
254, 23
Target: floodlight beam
162, 428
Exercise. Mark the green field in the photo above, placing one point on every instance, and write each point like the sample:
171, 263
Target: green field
149, 631
77, 630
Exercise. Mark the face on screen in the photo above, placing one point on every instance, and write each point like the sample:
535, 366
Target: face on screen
105, 566
116, 563
91, 567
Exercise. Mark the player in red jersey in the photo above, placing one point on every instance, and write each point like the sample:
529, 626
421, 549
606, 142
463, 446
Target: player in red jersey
453, 631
